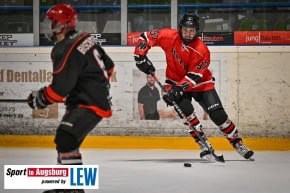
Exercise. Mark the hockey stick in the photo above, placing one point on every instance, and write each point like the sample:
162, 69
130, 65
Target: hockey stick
13, 100
219, 158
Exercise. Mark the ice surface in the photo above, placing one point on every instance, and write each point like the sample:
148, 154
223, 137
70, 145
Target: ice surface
162, 171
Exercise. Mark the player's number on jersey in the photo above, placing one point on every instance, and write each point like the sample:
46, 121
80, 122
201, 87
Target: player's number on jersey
202, 65
100, 62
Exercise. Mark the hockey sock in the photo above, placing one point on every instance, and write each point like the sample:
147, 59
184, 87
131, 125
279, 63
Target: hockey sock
194, 122
229, 130
69, 158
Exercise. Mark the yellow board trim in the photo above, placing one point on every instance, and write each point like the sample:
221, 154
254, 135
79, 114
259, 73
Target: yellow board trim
143, 142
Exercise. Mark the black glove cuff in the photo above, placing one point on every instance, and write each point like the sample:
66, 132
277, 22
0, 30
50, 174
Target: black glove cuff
144, 64
41, 100
178, 90
140, 58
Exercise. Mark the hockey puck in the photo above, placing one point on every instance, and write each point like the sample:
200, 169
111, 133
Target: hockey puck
188, 165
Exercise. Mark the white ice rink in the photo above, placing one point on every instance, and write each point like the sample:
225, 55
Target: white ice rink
162, 171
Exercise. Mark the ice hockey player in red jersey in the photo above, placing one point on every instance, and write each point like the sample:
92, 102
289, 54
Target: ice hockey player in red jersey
188, 76
81, 74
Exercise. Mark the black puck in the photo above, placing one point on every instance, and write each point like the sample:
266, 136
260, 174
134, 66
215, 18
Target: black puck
187, 164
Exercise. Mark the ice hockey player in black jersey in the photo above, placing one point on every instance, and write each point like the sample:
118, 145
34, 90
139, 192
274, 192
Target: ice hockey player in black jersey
81, 75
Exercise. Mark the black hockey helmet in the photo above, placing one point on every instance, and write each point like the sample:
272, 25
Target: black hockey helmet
189, 20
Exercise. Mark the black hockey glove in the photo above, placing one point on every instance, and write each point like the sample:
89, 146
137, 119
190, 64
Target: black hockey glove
174, 94
36, 99
144, 64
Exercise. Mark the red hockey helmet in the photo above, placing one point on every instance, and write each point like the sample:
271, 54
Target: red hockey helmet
62, 15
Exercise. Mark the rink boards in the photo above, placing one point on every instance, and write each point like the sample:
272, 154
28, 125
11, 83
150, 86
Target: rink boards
144, 142
252, 81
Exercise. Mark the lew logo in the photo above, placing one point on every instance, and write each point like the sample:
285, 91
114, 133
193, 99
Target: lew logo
83, 176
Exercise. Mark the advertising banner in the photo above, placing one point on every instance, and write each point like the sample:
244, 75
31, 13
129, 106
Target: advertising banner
217, 38
211, 38
101, 38
261, 37
17, 81
132, 38
13, 40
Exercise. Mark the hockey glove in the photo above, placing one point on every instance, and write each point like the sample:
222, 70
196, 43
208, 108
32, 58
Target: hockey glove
174, 94
144, 64
36, 99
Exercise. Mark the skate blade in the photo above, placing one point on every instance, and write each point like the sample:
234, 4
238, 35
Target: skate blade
208, 161
251, 159
211, 159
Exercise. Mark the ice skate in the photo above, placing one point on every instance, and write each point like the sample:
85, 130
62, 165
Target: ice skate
64, 191
241, 148
205, 154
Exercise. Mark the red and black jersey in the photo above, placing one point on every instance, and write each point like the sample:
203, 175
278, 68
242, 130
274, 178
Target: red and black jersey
81, 74
186, 64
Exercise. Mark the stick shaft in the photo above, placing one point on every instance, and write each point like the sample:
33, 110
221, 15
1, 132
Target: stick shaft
13, 100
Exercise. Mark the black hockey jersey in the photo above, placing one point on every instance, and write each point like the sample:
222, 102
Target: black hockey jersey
81, 74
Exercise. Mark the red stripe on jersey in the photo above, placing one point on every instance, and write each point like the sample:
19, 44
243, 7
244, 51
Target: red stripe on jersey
110, 71
98, 111
52, 96
69, 52
188, 81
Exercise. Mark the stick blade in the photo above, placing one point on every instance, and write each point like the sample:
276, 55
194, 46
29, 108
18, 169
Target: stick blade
219, 158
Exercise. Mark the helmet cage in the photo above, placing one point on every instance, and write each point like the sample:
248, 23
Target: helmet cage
54, 28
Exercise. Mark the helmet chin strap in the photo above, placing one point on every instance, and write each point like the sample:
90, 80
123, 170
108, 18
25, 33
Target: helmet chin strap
187, 41
53, 35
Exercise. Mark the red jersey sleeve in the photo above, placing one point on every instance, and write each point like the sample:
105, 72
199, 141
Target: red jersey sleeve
147, 40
